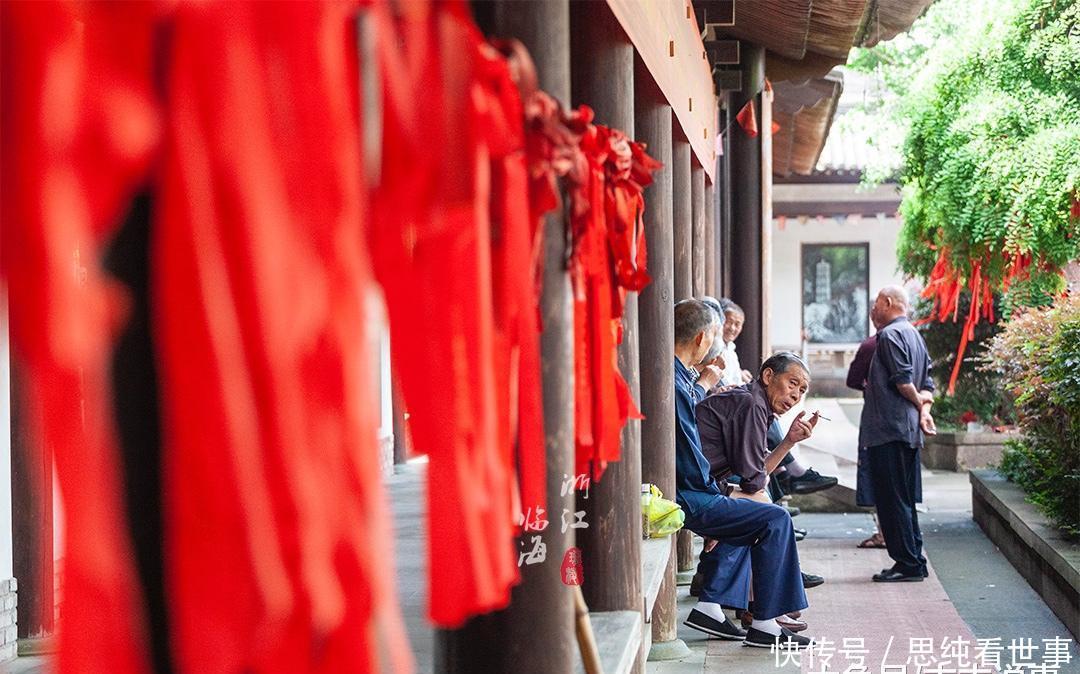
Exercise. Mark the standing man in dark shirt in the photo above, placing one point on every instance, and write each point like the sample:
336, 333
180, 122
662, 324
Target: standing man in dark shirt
896, 414
764, 529
858, 371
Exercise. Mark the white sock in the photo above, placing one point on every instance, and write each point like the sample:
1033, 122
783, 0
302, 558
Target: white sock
796, 469
714, 611
768, 626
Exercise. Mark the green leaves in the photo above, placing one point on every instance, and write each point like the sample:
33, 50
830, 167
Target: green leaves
991, 160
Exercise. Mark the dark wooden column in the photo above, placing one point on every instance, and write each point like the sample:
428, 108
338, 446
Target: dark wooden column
723, 271
710, 240
32, 517
535, 634
602, 77
682, 209
401, 433
655, 317
746, 234
697, 224
682, 231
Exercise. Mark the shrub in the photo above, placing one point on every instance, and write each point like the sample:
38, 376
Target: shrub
1037, 355
979, 392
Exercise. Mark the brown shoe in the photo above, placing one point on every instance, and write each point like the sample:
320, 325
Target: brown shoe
791, 624
875, 541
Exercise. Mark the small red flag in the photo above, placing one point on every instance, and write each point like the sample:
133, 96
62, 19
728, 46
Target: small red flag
747, 120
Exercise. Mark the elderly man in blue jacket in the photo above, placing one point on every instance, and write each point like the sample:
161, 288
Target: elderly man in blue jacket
762, 527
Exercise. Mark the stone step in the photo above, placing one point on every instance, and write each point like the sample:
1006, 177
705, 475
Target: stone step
838, 499
655, 553
618, 640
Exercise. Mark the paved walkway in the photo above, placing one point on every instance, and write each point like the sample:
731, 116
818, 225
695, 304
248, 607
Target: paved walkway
973, 593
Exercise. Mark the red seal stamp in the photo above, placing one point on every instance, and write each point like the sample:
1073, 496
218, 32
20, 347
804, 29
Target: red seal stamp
572, 570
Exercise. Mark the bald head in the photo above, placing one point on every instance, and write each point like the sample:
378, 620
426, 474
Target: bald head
891, 303
896, 294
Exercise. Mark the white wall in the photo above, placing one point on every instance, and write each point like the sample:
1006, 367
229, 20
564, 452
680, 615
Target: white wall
879, 232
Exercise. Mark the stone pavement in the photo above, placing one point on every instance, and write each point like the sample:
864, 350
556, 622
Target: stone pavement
973, 592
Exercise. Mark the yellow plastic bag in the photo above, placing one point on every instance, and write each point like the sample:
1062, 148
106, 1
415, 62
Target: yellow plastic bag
664, 517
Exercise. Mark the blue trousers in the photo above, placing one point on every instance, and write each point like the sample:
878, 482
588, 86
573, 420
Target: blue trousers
756, 541
894, 471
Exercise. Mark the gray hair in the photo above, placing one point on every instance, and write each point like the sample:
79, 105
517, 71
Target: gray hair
715, 305
780, 362
729, 305
896, 294
692, 317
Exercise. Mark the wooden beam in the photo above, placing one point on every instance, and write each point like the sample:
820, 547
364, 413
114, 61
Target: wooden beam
727, 80
722, 52
829, 209
717, 12
668, 38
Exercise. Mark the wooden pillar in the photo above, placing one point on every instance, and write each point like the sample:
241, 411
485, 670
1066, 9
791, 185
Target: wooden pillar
746, 235
602, 77
710, 239
655, 317
724, 232
682, 209
697, 224
401, 433
682, 231
535, 633
32, 517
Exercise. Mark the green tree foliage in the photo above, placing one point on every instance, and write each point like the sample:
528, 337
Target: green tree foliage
991, 160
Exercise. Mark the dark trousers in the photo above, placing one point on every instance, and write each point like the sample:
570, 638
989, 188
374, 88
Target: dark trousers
755, 541
894, 470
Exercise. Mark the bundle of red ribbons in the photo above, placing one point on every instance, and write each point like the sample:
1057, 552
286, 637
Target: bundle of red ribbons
268, 238
945, 284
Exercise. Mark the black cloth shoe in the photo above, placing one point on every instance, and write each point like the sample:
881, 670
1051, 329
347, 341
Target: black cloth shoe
792, 510
894, 576
759, 639
809, 482
799, 534
709, 625
809, 580
695, 584
925, 572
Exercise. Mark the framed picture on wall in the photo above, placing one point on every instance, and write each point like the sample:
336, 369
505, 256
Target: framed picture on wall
835, 292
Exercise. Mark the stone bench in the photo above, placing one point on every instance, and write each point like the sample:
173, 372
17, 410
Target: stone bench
1044, 557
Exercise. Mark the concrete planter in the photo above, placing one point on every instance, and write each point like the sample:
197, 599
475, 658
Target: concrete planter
964, 451
1044, 557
